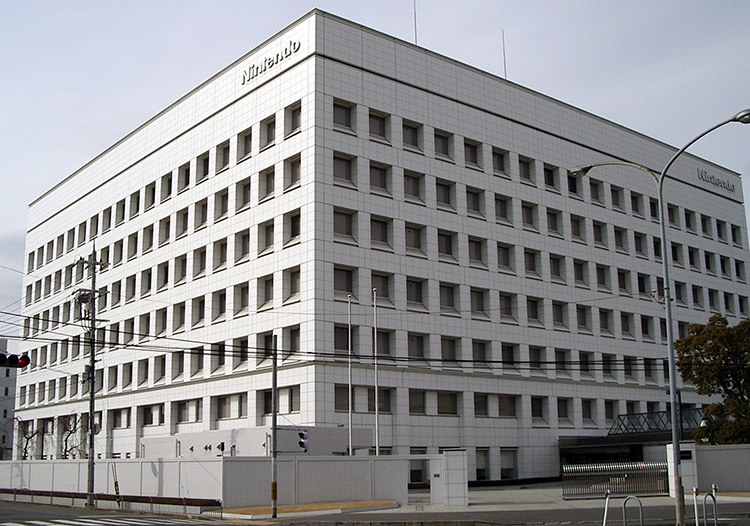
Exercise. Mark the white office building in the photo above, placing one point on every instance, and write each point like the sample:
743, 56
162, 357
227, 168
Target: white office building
515, 304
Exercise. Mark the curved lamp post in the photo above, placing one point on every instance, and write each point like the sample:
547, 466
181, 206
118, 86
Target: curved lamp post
742, 117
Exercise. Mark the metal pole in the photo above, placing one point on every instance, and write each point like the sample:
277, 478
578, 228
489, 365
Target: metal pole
375, 354
666, 253
274, 409
679, 414
92, 263
742, 117
349, 343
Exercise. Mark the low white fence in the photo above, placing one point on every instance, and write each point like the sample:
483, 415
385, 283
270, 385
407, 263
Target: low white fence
246, 481
236, 481
703, 465
159, 478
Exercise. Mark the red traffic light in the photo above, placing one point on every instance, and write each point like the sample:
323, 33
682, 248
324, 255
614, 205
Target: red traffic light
13, 360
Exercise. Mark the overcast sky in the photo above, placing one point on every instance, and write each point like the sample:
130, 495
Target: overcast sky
77, 76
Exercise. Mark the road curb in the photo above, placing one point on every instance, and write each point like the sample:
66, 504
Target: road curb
312, 513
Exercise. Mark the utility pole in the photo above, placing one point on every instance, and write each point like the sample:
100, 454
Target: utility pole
274, 409
88, 297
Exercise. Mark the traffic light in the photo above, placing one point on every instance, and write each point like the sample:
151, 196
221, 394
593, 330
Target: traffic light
13, 360
303, 439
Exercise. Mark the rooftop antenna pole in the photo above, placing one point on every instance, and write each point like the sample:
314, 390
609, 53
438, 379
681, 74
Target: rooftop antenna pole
505, 65
415, 22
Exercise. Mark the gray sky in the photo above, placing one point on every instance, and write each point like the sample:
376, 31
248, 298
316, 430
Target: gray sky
77, 76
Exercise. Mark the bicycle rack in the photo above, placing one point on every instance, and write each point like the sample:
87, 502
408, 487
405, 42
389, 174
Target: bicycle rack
716, 511
695, 506
606, 507
624, 505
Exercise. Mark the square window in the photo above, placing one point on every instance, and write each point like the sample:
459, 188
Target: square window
244, 144
416, 345
343, 223
222, 156
503, 209
343, 115
443, 144
508, 306
525, 169
414, 234
292, 226
221, 204
378, 126
242, 197
448, 294
528, 215
292, 118
202, 166
505, 257
472, 153
413, 185
551, 177
474, 198
379, 231
292, 172
381, 283
478, 301
446, 244
412, 135
267, 179
379, 177
476, 251
268, 132
343, 280
414, 291
554, 222
444, 193
343, 168
617, 194
265, 237
636, 204
499, 161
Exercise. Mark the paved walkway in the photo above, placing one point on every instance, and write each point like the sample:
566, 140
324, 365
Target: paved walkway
536, 497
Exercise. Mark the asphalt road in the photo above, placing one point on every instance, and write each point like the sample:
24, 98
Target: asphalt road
44, 515
730, 513
18, 513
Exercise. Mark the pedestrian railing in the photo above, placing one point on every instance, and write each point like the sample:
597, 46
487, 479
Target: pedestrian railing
581, 481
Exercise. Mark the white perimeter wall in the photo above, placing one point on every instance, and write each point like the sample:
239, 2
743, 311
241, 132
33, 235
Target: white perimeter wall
237, 481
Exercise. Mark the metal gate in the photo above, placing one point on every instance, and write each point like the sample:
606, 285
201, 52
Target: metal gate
582, 481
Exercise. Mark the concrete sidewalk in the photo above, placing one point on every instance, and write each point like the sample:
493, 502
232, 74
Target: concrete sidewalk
536, 497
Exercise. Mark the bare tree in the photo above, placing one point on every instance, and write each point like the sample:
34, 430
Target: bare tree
70, 428
27, 434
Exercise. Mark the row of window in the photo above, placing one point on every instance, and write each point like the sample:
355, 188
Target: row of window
219, 358
447, 403
381, 234
391, 290
224, 407
446, 145
218, 157
195, 264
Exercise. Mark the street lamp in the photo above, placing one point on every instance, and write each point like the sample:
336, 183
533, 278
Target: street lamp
742, 117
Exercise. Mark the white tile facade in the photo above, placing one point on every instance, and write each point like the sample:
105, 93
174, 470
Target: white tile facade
504, 278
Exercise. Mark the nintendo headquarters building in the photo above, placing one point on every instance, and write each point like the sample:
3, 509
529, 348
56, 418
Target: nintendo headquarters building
516, 305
